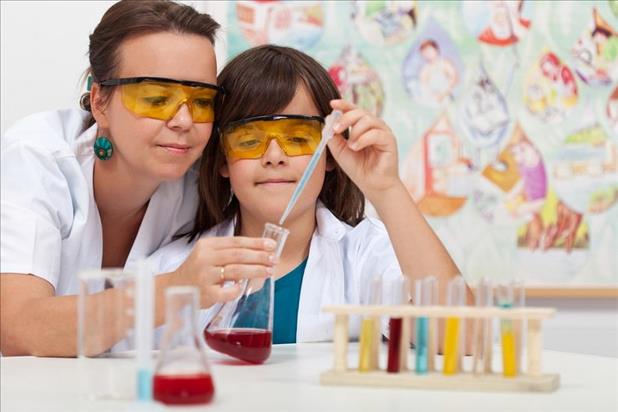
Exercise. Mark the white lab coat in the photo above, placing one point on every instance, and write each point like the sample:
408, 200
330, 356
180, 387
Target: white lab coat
50, 222
342, 260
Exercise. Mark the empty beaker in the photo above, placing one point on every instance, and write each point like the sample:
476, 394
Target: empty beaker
105, 330
182, 375
243, 327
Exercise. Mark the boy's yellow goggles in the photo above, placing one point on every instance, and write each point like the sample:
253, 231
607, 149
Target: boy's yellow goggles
249, 138
160, 98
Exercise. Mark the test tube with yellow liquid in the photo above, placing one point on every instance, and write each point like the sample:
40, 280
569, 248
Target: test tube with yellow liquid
518, 324
454, 339
370, 330
510, 330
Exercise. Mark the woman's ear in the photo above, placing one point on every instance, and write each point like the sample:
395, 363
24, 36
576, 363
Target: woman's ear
224, 171
98, 106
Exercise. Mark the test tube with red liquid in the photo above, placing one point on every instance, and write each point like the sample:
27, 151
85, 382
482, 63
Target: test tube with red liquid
397, 339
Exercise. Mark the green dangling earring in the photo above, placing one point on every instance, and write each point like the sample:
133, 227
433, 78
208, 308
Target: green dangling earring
103, 148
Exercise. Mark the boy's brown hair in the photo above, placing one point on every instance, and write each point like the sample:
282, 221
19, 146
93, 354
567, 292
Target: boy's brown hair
263, 81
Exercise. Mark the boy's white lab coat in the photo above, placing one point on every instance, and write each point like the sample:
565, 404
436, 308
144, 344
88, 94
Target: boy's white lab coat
50, 222
342, 260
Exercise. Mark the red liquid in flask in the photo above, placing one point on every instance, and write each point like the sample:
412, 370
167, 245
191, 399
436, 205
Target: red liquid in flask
183, 389
394, 344
250, 345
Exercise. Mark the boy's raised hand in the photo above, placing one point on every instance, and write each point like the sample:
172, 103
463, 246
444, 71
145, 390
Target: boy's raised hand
369, 156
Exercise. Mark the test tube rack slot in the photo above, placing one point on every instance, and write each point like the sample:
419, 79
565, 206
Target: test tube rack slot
532, 380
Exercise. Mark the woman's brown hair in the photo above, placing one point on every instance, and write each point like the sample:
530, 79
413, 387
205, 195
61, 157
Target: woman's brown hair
129, 18
262, 81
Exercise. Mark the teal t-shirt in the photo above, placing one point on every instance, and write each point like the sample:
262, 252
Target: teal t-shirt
287, 297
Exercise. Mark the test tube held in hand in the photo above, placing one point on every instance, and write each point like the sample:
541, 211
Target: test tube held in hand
327, 134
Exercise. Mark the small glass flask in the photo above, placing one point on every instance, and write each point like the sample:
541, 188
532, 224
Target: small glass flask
243, 327
182, 375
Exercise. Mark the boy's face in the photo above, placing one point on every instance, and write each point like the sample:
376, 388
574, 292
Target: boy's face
264, 186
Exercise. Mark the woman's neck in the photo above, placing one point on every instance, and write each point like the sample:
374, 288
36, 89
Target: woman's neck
120, 193
301, 227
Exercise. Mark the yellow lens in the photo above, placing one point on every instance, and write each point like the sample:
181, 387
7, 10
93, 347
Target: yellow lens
160, 100
151, 99
296, 137
202, 102
299, 136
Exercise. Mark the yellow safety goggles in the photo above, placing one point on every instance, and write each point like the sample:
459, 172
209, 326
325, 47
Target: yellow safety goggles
160, 98
297, 135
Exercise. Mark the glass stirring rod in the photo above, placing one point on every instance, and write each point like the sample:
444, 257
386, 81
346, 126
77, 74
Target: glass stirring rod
327, 134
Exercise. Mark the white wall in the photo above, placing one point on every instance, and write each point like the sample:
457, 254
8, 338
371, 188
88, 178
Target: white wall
44, 46
44, 52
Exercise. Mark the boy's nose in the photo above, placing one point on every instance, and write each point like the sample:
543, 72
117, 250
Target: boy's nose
274, 154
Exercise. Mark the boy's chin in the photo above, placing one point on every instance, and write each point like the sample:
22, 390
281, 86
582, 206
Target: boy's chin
271, 213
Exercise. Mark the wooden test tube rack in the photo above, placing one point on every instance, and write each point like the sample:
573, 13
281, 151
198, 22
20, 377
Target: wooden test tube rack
532, 380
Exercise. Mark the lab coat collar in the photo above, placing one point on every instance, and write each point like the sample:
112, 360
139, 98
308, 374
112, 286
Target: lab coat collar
327, 225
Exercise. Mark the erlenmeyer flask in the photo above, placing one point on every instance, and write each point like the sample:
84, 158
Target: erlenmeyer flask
243, 328
182, 374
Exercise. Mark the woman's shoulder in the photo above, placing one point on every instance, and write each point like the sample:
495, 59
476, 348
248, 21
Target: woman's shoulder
53, 132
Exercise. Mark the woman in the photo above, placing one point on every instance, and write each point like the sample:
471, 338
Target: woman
103, 189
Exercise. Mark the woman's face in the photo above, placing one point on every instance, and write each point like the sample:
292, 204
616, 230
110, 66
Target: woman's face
264, 186
159, 149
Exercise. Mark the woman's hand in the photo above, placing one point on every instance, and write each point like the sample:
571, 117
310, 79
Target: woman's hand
216, 260
369, 156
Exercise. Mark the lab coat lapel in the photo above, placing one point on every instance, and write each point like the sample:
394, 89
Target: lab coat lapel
323, 281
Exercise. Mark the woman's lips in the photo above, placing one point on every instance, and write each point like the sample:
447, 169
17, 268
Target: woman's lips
176, 148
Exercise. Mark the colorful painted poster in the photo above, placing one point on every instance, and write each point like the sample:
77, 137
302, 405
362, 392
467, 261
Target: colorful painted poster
505, 111
432, 70
596, 52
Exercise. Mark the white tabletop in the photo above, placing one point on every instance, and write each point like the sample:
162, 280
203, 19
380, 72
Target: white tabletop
289, 381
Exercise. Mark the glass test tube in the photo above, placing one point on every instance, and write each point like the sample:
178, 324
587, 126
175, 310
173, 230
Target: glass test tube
454, 337
426, 291
395, 327
483, 329
507, 332
370, 330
